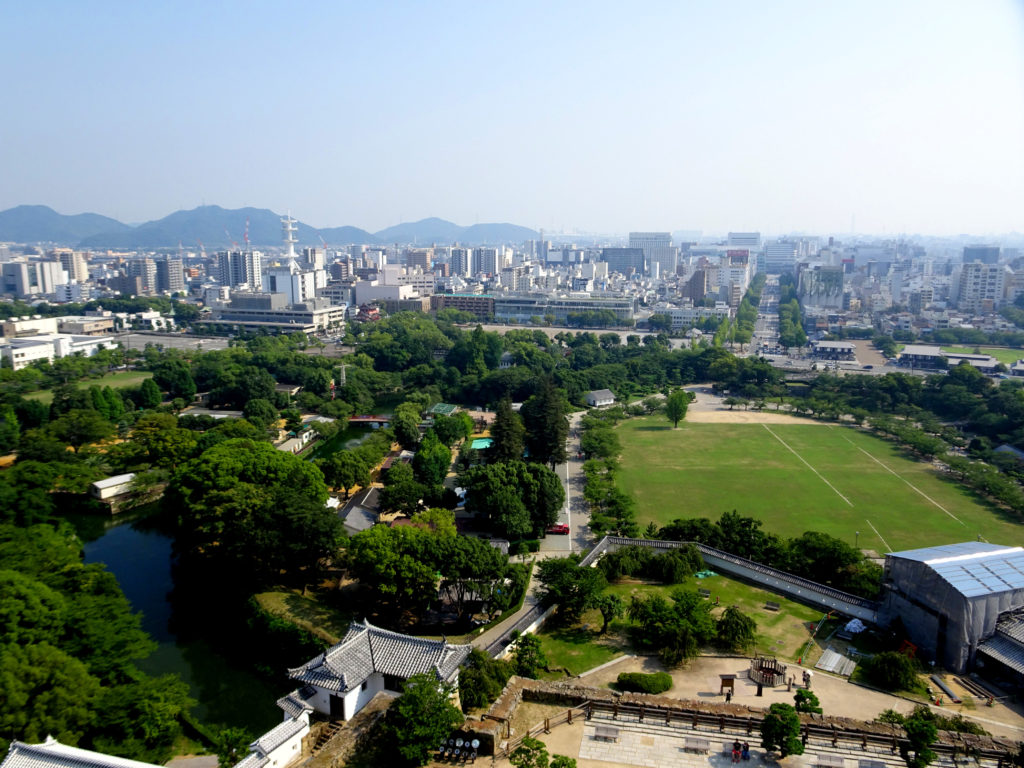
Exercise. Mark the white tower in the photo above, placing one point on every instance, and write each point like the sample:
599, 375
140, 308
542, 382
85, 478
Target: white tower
288, 233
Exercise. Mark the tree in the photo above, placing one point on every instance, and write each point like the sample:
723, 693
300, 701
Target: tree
253, 510
421, 718
260, 413
406, 423
807, 701
508, 434
921, 730
231, 745
531, 753
780, 730
451, 429
892, 671
572, 588
482, 679
676, 405
544, 416
149, 394
432, 460
562, 761
735, 630
80, 426
527, 656
516, 498
10, 430
611, 608
175, 376
345, 470
30, 612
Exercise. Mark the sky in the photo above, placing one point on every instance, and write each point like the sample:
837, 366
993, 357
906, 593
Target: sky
874, 116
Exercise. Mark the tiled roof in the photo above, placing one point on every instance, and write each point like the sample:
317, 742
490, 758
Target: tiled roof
1012, 625
278, 735
52, 754
1002, 648
366, 649
297, 702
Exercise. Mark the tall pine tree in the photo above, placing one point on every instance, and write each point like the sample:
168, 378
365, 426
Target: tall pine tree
508, 434
547, 427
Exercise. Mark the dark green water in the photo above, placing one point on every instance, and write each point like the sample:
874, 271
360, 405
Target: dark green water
227, 692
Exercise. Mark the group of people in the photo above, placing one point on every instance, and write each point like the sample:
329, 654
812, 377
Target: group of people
740, 751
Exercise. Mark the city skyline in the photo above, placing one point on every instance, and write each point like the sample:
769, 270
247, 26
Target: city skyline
879, 119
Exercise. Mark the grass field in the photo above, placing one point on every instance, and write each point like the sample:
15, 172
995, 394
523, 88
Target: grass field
1002, 354
116, 380
798, 478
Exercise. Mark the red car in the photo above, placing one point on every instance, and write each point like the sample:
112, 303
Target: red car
560, 528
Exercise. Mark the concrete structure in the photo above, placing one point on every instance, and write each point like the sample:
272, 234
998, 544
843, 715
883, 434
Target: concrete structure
658, 249
272, 312
170, 275
481, 305
23, 351
981, 287
780, 256
236, 269
625, 261
36, 325
986, 254
368, 660
520, 308
744, 240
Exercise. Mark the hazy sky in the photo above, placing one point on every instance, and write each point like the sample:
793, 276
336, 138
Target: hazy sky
606, 117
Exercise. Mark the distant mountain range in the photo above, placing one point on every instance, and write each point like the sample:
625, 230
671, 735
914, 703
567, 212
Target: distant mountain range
218, 227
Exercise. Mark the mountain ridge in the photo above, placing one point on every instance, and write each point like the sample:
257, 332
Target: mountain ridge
218, 227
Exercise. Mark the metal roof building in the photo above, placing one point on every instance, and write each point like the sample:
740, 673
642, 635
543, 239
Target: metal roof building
950, 598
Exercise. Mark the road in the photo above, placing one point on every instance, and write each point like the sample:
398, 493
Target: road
574, 513
131, 340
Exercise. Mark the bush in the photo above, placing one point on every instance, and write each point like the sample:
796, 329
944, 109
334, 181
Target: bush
638, 682
891, 671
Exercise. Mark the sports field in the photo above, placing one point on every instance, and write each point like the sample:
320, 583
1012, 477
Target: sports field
801, 477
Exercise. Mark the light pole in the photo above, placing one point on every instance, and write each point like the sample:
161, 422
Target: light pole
856, 540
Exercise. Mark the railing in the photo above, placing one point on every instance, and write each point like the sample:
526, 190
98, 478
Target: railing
503, 640
545, 727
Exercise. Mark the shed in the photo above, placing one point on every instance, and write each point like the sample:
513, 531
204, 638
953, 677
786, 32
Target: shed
599, 397
115, 485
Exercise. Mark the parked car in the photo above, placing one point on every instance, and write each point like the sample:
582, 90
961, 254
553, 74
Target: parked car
559, 528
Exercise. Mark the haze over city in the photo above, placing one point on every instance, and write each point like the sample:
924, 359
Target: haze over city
870, 117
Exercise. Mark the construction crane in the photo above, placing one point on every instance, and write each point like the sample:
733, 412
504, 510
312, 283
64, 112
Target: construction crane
247, 234
234, 243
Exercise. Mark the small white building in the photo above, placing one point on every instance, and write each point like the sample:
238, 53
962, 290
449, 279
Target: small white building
109, 487
369, 660
599, 398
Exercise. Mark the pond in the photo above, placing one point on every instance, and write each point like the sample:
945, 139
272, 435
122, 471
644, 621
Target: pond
139, 554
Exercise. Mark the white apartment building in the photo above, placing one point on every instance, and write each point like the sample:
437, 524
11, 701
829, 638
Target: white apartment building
22, 352
982, 287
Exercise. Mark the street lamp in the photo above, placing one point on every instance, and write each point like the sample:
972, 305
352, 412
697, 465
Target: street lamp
856, 540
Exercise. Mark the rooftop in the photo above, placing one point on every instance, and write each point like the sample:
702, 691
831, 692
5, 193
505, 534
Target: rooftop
366, 649
52, 754
973, 568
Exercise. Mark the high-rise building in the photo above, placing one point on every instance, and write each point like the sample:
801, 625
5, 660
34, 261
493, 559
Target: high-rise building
658, 249
744, 240
420, 257
488, 261
170, 275
780, 256
237, 268
986, 254
145, 269
625, 261
981, 287
462, 261
72, 262
29, 278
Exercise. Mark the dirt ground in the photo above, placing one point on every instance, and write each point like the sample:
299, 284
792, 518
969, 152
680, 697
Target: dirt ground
710, 408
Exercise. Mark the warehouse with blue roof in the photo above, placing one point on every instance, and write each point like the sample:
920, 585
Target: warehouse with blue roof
962, 605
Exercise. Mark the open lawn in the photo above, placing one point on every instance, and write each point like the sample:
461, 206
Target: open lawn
783, 633
327, 623
117, 380
802, 477
1002, 354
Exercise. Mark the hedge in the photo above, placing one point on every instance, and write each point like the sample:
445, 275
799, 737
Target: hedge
638, 682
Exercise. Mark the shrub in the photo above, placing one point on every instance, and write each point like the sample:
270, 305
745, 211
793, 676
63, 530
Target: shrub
892, 671
638, 682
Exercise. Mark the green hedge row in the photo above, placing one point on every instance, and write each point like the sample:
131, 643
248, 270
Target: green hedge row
638, 682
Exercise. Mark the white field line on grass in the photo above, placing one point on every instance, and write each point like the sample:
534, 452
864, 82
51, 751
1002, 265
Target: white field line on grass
896, 474
826, 482
879, 535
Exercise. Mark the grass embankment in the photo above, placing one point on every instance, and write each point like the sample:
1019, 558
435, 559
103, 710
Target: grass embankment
119, 380
1004, 355
797, 478
325, 622
783, 633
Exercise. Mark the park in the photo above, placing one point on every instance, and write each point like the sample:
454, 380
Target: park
800, 476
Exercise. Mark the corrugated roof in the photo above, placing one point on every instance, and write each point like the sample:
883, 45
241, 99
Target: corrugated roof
1004, 650
973, 568
53, 754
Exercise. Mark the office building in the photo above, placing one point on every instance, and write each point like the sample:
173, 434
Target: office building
744, 240
658, 249
780, 257
986, 254
625, 261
